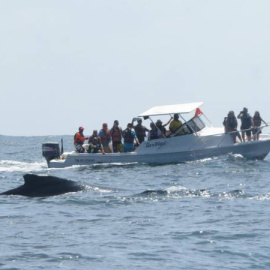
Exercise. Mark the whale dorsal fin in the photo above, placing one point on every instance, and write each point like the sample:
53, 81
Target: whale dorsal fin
31, 179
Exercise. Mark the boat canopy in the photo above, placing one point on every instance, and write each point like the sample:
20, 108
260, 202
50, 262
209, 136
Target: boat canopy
172, 109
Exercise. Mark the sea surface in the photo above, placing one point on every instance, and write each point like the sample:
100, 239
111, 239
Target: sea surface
209, 214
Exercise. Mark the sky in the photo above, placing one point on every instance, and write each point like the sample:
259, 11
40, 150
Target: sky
66, 64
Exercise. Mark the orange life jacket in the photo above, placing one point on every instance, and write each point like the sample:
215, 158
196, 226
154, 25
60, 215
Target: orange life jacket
79, 138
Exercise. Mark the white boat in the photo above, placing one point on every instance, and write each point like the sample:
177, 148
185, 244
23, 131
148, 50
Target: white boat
199, 142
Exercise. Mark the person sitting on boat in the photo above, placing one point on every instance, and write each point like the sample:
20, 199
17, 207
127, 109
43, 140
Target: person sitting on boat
257, 121
154, 133
95, 134
230, 124
116, 133
105, 137
79, 139
162, 127
246, 124
175, 126
95, 146
140, 130
129, 138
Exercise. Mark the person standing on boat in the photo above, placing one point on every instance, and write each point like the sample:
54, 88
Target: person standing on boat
79, 139
116, 133
140, 130
230, 124
257, 121
175, 126
246, 124
105, 137
154, 133
129, 138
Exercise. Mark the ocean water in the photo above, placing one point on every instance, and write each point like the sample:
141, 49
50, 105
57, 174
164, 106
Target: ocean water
208, 214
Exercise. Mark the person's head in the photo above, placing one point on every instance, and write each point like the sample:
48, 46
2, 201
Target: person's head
104, 125
176, 116
152, 125
257, 114
129, 125
115, 123
95, 132
230, 113
81, 129
158, 123
139, 121
245, 110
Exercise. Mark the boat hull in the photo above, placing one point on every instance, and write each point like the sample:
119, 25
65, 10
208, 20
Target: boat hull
249, 150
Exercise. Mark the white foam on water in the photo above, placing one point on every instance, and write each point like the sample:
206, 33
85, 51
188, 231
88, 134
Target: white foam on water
19, 166
175, 188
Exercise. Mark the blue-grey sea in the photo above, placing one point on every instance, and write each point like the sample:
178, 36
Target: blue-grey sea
208, 214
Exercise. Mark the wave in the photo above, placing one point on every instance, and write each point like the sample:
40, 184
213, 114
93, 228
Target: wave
20, 166
182, 192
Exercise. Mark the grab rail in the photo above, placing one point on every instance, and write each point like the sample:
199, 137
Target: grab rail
231, 132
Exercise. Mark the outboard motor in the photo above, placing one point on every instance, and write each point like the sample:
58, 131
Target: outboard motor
50, 151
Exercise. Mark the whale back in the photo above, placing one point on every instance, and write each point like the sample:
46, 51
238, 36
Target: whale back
43, 186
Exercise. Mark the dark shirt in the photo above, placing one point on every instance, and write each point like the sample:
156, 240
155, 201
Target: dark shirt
90, 140
140, 131
94, 147
246, 121
231, 123
257, 120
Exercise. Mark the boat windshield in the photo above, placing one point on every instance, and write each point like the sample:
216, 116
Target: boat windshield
194, 125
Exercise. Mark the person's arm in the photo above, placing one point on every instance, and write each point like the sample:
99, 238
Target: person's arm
109, 136
76, 138
102, 149
168, 122
239, 115
132, 122
146, 129
135, 137
137, 141
264, 122
252, 123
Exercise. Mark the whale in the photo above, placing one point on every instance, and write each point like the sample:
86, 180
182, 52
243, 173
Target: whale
43, 186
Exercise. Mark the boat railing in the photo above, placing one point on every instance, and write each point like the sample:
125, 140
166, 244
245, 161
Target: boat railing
243, 130
259, 129
200, 138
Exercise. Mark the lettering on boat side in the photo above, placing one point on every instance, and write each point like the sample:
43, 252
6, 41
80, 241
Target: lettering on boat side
155, 144
84, 160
